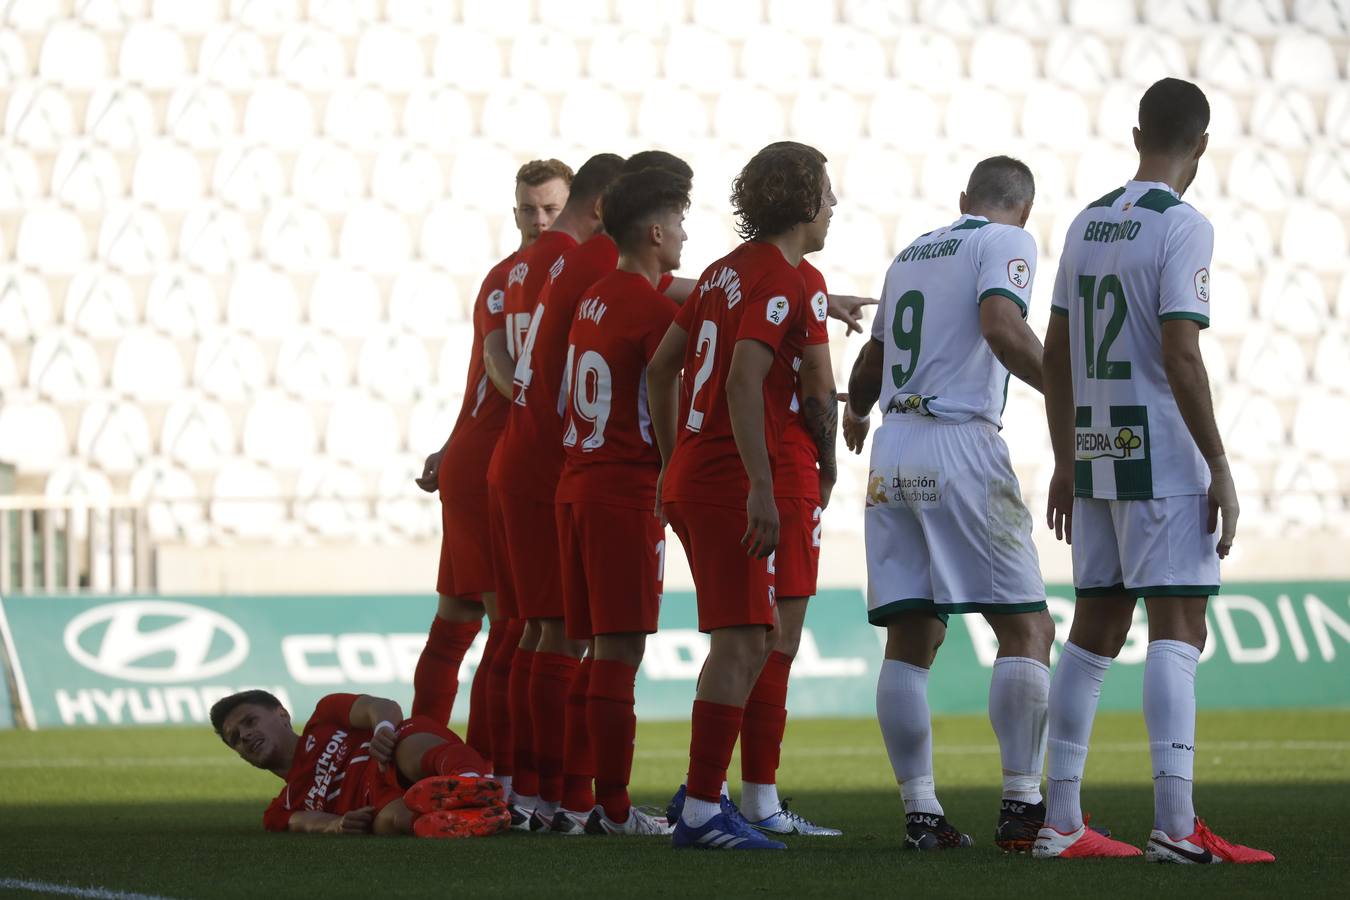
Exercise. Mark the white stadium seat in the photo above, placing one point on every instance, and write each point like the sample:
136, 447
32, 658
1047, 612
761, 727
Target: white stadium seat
876, 177
432, 418
960, 17
133, 240
1231, 298
1336, 124
327, 176
544, 59
774, 59
402, 505
1245, 243
1326, 176
852, 59
63, 366
1329, 17
312, 365
32, 435
826, 118
374, 237
858, 243
517, 117
593, 114
147, 367
181, 303
1294, 301
166, 176
232, 56
802, 16
361, 430
1149, 55
1004, 60
1217, 364
503, 17
578, 17
19, 185
343, 301
1078, 60
649, 16
13, 58
482, 175
262, 301
437, 115
152, 55
1251, 425
295, 238
266, 18
424, 301
884, 18
359, 115
620, 58
1185, 18
245, 500
903, 116
79, 481
394, 365
119, 116
699, 58
200, 115
927, 59
1284, 117
72, 56
1056, 116
51, 240
250, 177
86, 177
9, 372
731, 19
214, 239
748, 116
452, 371
196, 433
1029, 17
280, 115
1226, 126
1303, 59
170, 497
229, 366
1261, 177
407, 178
331, 498
1319, 424
1102, 18
974, 113
1272, 364
671, 116
1103, 166
279, 432
467, 59
99, 304
1314, 236
114, 435
1303, 492
25, 305
1232, 59
189, 18
389, 57
346, 17
1261, 17
1331, 361
311, 57
1343, 299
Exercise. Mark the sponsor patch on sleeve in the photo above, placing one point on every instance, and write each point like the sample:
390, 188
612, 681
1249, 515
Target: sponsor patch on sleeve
777, 310
496, 302
1019, 273
1202, 285
820, 306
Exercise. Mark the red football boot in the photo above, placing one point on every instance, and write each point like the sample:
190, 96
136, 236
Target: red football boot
479, 821
1202, 848
440, 792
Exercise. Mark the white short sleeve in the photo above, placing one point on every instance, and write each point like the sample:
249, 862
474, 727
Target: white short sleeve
1006, 265
1183, 289
1059, 297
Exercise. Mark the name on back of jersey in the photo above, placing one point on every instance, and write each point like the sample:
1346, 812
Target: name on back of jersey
933, 250
591, 309
517, 274
728, 281
1106, 232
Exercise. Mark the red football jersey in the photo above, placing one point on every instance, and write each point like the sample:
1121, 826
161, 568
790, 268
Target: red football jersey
610, 450
483, 413
753, 293
795, 474
329, 773
529, 454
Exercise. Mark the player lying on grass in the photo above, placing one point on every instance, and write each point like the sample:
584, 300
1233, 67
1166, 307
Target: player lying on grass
359, 767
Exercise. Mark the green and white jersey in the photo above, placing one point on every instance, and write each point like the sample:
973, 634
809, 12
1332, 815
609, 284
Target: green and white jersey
1134, 259
936, 360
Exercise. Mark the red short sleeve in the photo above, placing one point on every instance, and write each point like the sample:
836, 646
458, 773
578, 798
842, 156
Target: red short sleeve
771, 311
687, 314
664, 284
335, 709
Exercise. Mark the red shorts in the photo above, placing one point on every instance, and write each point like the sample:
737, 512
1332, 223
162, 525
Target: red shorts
466, 549
613, 560
507, 607
797, 560
732, 588
382, 788
531, 533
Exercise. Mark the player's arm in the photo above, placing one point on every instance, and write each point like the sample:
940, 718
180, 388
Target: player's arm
663, 381
750, 364
357, 821
679, 289
500, 367
1189, 380
382, 717
1057, 386
820, 412
849, 310
864, 387
1012, 340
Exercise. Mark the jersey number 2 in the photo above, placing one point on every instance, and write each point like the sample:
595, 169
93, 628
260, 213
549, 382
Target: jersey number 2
707, 347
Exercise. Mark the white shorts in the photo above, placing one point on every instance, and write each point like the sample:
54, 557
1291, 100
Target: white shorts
945, 525
1151, 548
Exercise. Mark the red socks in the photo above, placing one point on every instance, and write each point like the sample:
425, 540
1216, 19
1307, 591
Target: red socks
765, 719
479, 733
578, 761
436, 678
715, 729
499, 699
525, 781
550, 681
453, 758
613, 727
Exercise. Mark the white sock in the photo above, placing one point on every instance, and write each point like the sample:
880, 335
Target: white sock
1074, 691
525, 803
907, 728
505, 781
1019, 693
546, 808
697, 812
758, 801
1169, 713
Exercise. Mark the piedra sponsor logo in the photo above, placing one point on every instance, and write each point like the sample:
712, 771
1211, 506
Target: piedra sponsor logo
1102, 443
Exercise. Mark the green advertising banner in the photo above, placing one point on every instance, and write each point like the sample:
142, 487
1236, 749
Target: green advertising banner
132, 660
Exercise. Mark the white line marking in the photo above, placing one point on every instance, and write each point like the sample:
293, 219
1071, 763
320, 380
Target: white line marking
20, 684
47, 887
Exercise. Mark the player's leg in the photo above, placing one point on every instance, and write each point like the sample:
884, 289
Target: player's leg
578, 764
436, 678
506, 612
525, 786
449, 797
478, 734
557, 659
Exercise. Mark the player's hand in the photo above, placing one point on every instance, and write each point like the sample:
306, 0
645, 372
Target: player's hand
357, 821
1059, 505
659, 511
761, 530
855, 429
849, 310
427, 481
1223, 502
382, 743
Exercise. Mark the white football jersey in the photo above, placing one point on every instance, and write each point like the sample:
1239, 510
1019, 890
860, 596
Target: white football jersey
936, 360
1132, 260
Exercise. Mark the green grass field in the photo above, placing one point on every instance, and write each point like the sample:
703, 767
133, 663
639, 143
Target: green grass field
170, 812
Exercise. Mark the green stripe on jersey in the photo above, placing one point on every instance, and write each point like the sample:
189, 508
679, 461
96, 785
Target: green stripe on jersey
970, 224
1157, 200
1194, 317
1108, 200
1059, 310
1134, 477
1004, 292
1082, 468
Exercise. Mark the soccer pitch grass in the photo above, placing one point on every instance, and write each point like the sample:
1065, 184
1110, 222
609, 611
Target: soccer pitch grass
170, 812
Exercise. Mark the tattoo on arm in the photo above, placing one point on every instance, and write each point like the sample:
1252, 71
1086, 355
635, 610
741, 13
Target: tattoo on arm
822, 423
864, 382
